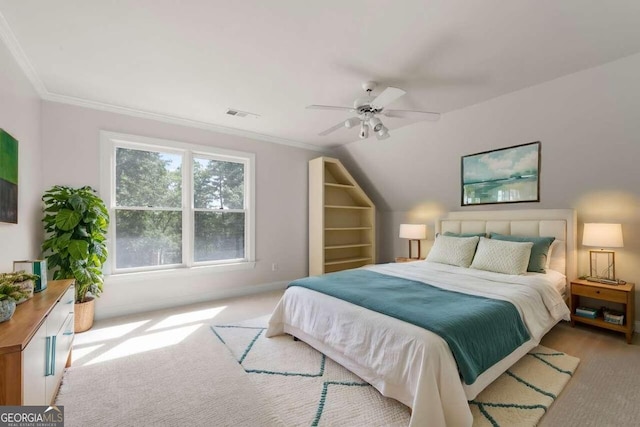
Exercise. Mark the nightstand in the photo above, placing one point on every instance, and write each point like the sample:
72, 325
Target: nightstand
622, 294
405, 259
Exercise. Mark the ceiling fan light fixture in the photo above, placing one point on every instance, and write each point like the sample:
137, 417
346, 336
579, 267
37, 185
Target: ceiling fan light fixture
364, 131
368, 107
375, 124
349, 123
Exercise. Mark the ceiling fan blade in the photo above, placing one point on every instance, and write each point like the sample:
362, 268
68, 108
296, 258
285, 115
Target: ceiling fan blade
332, 129
387, 96
422, 115
329, 107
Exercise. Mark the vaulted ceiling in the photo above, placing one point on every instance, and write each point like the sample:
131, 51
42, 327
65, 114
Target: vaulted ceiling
189, 61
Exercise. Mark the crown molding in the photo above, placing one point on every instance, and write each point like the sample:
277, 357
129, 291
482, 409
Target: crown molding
8, 37
64, 99
10, 40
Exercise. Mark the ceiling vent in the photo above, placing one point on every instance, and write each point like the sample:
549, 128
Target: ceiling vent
238, 113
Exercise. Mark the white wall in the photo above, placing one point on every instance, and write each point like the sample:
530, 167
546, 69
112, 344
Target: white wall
20, 117
71, 150
589, 126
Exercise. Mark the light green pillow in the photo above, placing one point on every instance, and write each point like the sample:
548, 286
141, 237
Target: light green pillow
539, 251
452, 234
502, 256
453, 250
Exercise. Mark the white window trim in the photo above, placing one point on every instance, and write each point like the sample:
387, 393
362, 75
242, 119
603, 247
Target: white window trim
108, 142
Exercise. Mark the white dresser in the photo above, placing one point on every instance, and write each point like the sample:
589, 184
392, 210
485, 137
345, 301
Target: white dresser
35, 346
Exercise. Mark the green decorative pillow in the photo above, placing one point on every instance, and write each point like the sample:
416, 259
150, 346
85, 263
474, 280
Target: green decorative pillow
539, 251
451, 234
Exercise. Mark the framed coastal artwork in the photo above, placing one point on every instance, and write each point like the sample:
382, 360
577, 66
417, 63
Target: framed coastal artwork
8, 178
505, 175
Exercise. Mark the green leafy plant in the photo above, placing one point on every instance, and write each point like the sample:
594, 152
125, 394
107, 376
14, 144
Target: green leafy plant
10, 290
75, 223
16, 277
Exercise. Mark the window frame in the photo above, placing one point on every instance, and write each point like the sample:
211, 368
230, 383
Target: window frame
110, 141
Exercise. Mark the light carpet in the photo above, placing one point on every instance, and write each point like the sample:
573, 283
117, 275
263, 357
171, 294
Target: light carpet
305, 388
174, 377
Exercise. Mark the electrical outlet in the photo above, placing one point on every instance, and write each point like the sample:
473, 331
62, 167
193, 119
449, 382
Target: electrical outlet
274, 267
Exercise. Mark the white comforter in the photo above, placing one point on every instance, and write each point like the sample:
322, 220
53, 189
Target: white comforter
406, 362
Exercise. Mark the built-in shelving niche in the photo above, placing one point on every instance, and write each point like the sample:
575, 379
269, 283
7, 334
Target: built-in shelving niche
341, 219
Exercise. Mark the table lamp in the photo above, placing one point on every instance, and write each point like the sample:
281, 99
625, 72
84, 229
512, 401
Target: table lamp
413, 232
602, 263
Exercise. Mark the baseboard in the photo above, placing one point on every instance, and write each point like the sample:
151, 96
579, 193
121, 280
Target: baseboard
214, 295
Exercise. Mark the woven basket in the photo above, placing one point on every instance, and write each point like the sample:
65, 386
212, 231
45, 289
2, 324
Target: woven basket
83, 315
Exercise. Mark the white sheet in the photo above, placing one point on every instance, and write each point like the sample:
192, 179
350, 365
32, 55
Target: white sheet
558, 279
404, 361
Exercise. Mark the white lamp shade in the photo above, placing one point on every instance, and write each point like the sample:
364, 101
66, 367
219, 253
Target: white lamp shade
413, 231
602, 235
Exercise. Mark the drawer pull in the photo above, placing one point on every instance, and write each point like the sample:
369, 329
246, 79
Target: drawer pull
53, 355
50, 356
597, 292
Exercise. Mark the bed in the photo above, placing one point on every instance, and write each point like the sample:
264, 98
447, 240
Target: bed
414, 365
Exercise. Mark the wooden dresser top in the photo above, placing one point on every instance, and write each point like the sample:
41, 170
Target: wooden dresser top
16, 332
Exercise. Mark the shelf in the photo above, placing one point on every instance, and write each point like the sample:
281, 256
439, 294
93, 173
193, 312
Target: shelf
331, 184
346, 207
346, 260
355, 245
599, 322
346, 228
342, 219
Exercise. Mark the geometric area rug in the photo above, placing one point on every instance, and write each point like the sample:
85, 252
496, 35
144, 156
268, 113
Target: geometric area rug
306, 388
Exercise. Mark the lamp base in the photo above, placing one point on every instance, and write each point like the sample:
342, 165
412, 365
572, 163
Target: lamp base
606, 281
419, 254
602, 265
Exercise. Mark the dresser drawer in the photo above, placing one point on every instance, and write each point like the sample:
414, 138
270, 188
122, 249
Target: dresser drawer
599, 293
59, 314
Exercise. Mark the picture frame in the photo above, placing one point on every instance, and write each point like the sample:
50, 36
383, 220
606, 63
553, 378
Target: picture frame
8, 178
504, 175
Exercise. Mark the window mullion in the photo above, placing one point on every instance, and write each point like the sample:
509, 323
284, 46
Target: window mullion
187, 209
247, 207
146, 208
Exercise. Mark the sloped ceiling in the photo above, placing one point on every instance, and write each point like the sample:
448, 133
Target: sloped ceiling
188, 61
588, 126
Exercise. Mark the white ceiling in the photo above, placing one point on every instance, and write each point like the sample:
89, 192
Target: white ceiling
193, 59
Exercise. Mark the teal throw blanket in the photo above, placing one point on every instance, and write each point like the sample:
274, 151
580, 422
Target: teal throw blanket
480, 331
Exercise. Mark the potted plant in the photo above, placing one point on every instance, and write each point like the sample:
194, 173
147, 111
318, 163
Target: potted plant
9, 294
75, 223
23, 280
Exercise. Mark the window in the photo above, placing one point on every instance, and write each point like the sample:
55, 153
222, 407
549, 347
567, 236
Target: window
176, 205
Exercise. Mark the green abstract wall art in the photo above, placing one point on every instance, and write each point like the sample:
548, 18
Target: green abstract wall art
506, 175
8, 178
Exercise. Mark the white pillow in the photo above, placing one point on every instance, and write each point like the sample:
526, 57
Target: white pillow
453, 250
553, 247
502, 256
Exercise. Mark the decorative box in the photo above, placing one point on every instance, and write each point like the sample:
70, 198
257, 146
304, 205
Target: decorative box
589, 312
614, 317
38, 267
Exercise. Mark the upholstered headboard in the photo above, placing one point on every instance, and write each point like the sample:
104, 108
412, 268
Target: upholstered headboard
559, 223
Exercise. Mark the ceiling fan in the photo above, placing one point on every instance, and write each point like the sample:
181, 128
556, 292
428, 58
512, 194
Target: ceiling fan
369, 107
